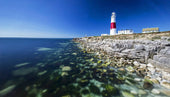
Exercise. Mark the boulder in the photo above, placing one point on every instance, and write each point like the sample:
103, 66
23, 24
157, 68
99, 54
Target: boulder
66, 68
139, 47
162, 59
166, 84
155, 91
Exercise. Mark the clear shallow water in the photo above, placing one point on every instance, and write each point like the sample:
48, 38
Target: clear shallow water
56, 68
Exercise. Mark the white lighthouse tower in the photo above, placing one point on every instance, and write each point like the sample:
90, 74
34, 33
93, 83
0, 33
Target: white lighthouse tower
113, 24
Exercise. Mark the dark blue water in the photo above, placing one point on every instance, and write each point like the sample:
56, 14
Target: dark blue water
32, 67
19, 50
31, 52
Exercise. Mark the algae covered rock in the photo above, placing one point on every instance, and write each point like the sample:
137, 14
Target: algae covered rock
155, 81
42, 73
110, 91
121, 70
94, 89
130, 69
100, 61
127, 94
148, 84
141, 92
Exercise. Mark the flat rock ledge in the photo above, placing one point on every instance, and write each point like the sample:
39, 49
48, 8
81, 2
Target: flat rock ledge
149, 58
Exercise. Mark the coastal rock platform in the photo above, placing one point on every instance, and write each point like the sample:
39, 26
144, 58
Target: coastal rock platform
148, 54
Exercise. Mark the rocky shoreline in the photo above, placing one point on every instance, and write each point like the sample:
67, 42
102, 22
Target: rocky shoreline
150, 59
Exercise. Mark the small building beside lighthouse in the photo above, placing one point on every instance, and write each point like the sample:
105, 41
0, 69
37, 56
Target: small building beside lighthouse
127, 31
150, 30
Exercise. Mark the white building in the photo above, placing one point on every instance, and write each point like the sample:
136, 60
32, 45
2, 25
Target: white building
104, 34
150, 30
127, 31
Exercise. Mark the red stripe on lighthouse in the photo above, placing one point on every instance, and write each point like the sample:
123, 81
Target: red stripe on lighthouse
113, 25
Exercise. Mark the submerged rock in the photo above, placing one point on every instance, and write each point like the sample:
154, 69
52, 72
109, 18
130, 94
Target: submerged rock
44, 49
66, 96
74, 54
24, 71
7, 90
21, 64
84, 82
66, 68
141, 92
127, 94
110, 91
85, 91
64, 74
155, 91
134, 92
43, 72
94, 89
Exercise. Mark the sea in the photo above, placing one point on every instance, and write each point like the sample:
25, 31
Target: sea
42, 67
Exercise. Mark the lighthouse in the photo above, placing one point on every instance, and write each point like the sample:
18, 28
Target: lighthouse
113, 24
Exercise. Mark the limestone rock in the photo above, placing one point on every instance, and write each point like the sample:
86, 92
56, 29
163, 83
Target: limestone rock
64, 74
130, 69
139, 47
126, 94
150, 65
136, 63
155, 81
137, 79
7, 90
166, 84
155, 91
66, 68
141, 92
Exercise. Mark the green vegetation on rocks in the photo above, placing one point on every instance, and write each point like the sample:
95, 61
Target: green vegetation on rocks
127, 94
110, 91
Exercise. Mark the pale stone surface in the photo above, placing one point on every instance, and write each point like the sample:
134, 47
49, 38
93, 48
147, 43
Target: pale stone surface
44, 49
150, 65
134, 92
156, 54
142, 92
137, 79
64, 74
155, 91
136, 63
66, 68
166, 84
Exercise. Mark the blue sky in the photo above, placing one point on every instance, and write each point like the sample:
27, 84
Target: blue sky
77, 18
